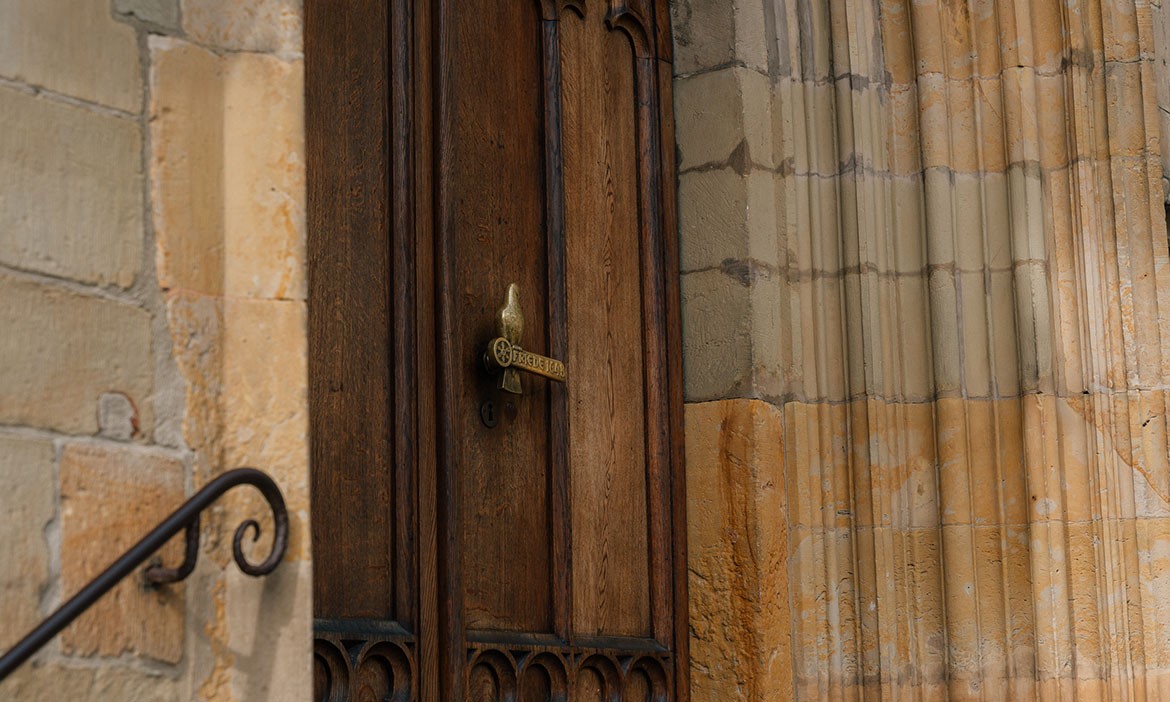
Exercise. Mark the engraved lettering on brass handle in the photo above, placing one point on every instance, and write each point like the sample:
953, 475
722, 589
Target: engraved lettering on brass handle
505, 355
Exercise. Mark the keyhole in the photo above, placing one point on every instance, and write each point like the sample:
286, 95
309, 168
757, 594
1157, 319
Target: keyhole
489, 415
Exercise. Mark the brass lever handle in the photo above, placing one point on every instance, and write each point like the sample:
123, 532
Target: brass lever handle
504, 354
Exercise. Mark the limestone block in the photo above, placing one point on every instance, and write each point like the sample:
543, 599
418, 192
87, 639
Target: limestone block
751, 32
704, 34
264, 177
70, 190
187, 130
816, 245
264, 405
163, 13
974, 334
107, 683
72, 47
1033, 328
717, 343
725, 215
820, 349
737, 546
722, 116
111, 496
27, 505
272, 26
944, 331
813, 109
61, 351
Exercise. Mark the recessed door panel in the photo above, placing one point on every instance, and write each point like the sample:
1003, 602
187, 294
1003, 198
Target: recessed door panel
494, 193
607, 428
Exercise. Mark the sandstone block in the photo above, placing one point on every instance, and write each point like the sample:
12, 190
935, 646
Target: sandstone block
27, 505
60, 351
195, 323
71, 47
111, 497
187, 121
109, 683
70, 190
264, 405
264, 177
257, 25
738, 546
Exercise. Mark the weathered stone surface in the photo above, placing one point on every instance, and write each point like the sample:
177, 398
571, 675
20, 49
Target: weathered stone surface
27, 503
163, 13
107, 683
272, 26
117, 417
717, 341
187, 118
723, 116
265, 409
271, 619
704, 34
111, 496
70, 190
60, 351
264, 177
737, 552
725, 215
71, 47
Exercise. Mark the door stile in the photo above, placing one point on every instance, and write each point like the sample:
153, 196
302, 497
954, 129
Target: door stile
452, 659
404, 397
421, 62
673, 326
560, 516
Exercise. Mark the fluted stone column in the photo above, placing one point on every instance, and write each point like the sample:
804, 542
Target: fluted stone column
927, 316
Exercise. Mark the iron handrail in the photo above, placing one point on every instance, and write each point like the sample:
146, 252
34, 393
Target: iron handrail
185, 517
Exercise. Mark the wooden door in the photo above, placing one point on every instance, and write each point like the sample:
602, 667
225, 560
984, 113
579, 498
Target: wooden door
470, 543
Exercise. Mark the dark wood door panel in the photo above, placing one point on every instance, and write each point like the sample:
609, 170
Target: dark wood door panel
537, 555
492, 165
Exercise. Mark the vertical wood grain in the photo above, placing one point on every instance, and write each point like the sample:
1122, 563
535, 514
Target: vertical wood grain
350, 381
492, 157
604, 266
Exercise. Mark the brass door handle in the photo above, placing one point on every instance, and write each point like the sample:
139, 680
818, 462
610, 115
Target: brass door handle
504, 355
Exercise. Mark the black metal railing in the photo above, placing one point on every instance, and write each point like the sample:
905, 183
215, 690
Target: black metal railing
185, 517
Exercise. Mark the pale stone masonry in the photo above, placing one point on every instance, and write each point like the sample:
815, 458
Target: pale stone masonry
152, 335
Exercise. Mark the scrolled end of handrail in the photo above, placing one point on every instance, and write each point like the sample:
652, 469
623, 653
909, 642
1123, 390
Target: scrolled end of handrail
158, 575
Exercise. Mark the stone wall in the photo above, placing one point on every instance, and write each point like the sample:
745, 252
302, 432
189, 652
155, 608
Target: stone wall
153, 335
925, 274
